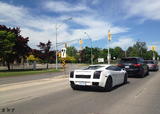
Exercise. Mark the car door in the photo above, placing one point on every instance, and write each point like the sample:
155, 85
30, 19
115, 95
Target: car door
120, 75
114, 73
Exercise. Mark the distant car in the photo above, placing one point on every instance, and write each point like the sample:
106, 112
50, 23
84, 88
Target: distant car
134, 66
105, 76
152, 64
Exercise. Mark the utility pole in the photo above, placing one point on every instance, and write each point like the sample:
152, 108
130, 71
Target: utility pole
57, 27
56, 49
109, 39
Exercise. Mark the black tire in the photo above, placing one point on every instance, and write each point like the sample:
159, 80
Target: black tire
142, 74
125, 79
108, 85
74, 87
147, 72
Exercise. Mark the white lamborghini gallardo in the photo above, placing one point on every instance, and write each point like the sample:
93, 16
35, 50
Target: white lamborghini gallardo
105, 76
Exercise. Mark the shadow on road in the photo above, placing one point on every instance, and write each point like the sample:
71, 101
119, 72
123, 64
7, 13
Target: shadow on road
99, 89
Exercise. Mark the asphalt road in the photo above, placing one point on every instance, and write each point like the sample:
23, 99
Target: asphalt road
54, 96
15, 79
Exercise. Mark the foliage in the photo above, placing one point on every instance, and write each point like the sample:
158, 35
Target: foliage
32, 58
45, 54
13, 45
69, 59
7, 42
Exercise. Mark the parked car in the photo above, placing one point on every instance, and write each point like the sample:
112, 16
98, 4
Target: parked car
134, 66
104, 76
152, 64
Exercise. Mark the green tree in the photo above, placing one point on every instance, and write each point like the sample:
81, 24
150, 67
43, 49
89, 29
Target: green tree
139, 49
119, 53
71, 51
7, 42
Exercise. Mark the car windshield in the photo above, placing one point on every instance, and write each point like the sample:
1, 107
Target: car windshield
128, 60
93, 67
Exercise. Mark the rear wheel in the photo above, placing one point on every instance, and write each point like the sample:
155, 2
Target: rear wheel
142, 74
125, 78
147, 72
108, 85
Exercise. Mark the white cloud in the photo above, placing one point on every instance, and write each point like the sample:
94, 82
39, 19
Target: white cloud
42, 28
147, 9
61, 6
11, 13
124, 43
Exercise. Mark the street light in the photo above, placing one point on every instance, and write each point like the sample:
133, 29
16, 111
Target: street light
91, 46
57, 27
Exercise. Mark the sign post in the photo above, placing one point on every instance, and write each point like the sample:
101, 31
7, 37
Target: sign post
63, 56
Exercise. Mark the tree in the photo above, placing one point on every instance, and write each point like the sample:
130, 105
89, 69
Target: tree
32, 58
21, 48
45, 51
139, 49
85, 55
71, 51
14, 46
119, 53
7, 42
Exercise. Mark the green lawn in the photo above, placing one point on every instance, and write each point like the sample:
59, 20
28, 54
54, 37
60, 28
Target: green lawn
25, 72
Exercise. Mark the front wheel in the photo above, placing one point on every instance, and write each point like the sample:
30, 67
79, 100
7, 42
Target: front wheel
73, 86
108, 85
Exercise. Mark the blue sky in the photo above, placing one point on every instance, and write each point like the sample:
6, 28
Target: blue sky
128, 20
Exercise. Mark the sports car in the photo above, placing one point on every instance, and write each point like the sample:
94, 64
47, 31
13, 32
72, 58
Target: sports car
102, 75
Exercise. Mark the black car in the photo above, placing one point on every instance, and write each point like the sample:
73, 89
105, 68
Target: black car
134, 66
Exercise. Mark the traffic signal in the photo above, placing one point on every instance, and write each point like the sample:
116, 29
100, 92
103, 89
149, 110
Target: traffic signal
80, 42
153, 48
109, 36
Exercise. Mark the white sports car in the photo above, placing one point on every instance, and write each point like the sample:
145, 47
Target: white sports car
105, 76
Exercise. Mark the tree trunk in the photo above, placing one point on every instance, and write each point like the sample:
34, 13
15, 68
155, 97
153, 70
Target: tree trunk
8, 65
47, 65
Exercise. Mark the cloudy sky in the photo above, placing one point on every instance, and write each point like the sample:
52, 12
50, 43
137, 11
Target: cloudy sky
128, 20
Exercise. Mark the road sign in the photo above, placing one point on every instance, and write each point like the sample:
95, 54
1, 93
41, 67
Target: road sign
63, 53
100, 60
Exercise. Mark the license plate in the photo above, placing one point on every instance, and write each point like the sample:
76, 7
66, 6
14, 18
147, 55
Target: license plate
126, 66
82, 83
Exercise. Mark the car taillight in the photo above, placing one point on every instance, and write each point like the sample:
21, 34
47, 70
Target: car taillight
71, 74
120, 65
137, 65
97, 74
153, 65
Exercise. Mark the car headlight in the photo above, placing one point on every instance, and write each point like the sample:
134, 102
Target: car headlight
97, 74
71, 74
